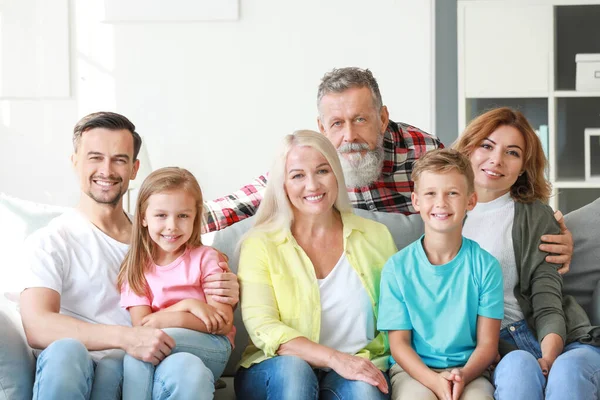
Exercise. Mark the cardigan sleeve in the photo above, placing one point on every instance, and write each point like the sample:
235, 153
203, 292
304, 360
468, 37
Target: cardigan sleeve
540, 284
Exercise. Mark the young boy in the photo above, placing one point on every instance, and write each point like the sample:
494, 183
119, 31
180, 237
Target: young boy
441, 297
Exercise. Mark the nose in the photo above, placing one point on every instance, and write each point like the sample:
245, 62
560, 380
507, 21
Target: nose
311, 182
350, 134
440, 201
497, 157
170, 223
105, 167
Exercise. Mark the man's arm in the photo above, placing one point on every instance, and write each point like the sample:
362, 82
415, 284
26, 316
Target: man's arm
228, 210
561, 245
44, 325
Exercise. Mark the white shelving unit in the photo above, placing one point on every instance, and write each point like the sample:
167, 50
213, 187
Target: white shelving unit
521, 54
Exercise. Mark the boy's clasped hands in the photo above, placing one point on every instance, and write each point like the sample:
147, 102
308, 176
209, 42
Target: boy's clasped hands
450, 385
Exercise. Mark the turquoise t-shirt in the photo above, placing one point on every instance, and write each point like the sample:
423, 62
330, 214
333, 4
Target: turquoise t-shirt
440, 303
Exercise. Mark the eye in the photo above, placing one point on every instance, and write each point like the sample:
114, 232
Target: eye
121, 161
183, 216
323, 171
453, 193
337, 123
486, 146
160, 215
95, 158
513, 153
429, 193
360, 119
297, 176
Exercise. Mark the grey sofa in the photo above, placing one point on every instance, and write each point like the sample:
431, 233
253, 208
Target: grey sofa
583, 281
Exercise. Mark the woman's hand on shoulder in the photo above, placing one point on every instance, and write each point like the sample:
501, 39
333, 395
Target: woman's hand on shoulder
358, 369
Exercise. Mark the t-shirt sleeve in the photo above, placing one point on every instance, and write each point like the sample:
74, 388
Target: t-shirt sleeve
210, 263
131, 299
45, 263
491, 295
393, 314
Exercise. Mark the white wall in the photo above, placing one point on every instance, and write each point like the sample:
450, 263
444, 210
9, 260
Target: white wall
216, 97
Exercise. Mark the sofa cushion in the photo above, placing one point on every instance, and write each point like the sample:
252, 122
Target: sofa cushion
404, 230
19, 218
584, 275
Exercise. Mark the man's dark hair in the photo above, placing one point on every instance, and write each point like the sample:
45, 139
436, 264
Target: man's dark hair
107, 120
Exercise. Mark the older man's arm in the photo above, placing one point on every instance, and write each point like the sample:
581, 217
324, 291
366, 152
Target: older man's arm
234, 207
560, 246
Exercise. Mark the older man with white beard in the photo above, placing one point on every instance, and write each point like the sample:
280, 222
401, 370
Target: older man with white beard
376, 153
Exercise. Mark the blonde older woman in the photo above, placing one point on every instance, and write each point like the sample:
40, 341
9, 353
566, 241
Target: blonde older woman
309, 271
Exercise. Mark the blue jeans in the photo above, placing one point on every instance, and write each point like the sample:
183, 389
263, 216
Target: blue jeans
575, 374
65, 370
292, 378
189, 372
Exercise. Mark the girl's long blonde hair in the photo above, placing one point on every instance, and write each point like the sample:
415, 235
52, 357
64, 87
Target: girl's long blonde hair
143, 250
532, 184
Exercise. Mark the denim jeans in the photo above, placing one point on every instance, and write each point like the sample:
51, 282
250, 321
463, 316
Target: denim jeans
291, 378
65, 370
575, 374
189, 372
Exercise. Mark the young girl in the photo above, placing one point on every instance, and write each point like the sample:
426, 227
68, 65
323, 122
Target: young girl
161, 282
551, 332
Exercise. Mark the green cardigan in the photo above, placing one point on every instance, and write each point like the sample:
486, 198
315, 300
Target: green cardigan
539, 290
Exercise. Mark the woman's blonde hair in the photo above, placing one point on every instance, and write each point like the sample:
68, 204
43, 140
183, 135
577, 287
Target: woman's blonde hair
143, 250
275, 211
532, 184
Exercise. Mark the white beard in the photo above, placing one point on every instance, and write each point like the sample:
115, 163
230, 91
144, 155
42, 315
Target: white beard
361, 170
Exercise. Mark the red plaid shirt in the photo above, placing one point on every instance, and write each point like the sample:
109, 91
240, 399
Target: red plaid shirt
403, 145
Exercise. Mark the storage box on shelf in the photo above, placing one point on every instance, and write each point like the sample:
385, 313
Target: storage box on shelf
588, 72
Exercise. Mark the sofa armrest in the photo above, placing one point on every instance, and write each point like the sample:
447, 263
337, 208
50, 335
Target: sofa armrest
595, 306
17, 363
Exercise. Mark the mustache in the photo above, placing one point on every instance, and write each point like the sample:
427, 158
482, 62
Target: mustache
351, 147
113, 178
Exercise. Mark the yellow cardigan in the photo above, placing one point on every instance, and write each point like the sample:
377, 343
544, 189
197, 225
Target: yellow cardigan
280, 294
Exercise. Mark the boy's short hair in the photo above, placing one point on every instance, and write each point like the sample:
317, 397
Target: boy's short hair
442, 161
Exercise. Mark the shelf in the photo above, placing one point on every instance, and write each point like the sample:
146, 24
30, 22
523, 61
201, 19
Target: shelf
575, 93
576, 184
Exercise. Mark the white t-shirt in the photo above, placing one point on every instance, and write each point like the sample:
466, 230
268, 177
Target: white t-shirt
490, 224
80, 262
347, 318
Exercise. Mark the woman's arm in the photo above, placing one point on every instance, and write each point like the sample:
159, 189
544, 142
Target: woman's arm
260, 307
346, 365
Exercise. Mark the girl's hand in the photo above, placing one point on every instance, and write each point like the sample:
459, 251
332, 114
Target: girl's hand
159, 320
214, 319
359, 369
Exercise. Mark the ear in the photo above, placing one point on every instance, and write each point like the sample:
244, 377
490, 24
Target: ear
415, 201
74, 160
384, 115
321, 126
144, 223
134, 171
472, 202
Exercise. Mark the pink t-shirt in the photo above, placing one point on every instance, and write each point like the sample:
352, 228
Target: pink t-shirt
182, 279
